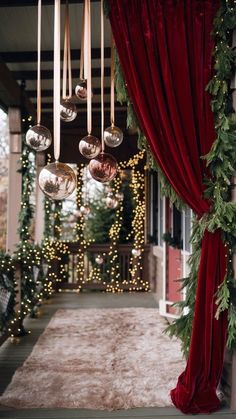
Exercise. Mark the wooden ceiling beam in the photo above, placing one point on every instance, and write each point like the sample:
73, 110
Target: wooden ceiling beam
11, 94
46, 56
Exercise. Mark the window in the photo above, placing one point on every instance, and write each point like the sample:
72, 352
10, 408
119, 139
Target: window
187, 229
155, 210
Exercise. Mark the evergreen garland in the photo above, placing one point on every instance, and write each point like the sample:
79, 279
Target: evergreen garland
7, 292
28, 256
221, 161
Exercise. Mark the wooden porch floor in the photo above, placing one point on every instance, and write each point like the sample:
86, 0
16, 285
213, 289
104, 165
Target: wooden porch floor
12, 355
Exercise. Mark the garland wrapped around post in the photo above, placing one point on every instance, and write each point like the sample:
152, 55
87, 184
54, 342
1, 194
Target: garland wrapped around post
79, 229
28, 256
114, 234
7, 293
221, 162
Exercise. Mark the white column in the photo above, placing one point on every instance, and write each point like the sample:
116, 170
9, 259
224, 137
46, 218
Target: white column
39, 210
15, 179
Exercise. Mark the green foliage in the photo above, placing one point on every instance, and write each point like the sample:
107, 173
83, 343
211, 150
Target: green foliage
29, 258
100, 221
172, 241
28, 173
7, 282
128, 209
182, 327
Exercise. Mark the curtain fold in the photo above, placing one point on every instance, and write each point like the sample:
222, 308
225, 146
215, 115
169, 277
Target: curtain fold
165, 50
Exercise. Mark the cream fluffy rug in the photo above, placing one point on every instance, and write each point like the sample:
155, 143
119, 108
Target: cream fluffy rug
99, 359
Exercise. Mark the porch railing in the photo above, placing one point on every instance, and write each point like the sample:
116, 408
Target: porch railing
75, 279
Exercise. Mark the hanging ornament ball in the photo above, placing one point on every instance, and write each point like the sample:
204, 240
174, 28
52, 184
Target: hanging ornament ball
81, 90
119, 196
68, 111
103, 168
77, 213
111, 202
85, 210
90, 146
113, 136
57, 180
38, 137
99, 259
136, 252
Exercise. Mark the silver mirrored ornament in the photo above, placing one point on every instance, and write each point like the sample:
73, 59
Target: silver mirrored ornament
99, 259
81, 90
85, 210
38, 137
90, 146
68, 111
103, 168
113, 136
57, 180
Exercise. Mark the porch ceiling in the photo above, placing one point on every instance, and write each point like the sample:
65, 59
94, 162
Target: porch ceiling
18, 63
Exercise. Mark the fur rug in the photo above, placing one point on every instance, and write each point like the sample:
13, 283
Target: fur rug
99, 359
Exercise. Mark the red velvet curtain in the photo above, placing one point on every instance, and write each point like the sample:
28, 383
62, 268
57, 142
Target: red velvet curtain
165, 51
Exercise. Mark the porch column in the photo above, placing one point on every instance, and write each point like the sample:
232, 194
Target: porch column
15, 178
39, 210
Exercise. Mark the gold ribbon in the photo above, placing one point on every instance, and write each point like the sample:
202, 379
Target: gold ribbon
39, 64
81, 73
87, 63
112, 92
67, 57
56, 80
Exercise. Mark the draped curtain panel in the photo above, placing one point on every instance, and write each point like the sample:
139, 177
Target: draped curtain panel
165, 49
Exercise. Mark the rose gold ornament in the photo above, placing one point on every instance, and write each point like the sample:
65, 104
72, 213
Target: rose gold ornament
85, 210
136, 252
90, 146
77, 213
113, 136
111, 202
57, 180
99, 259
119, 196
38, 137
103, 168
68, 111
